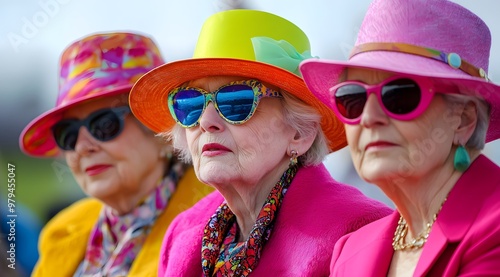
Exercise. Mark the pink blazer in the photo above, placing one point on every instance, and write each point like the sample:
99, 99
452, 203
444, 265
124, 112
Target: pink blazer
315, 212
465, 239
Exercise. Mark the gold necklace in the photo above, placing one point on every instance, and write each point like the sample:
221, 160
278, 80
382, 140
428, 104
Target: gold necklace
398, 242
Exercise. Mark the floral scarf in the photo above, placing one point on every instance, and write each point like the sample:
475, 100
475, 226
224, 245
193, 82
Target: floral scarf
222, 255
116, 240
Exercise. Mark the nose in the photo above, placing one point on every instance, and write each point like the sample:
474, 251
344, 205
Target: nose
373, 114
85, 143
210, 120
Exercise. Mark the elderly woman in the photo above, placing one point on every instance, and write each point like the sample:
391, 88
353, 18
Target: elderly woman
136, 186
418, 108
257, 135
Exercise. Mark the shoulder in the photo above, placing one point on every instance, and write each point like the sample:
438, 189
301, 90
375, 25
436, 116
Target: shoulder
63, 239
324, 208
373, 235
482, 169
373, 231
361, 246
317, 194
84, 209
81, 213
482, 211
479, 187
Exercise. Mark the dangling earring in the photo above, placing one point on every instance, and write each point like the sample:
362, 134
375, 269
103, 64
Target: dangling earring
293, 157
461, 160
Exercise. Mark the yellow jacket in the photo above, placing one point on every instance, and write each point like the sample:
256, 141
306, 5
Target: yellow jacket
64, 239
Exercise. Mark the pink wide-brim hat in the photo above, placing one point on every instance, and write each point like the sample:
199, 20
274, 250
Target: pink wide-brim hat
96, 66
437, 39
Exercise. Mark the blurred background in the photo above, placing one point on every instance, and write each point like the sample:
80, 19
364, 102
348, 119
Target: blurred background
33, 33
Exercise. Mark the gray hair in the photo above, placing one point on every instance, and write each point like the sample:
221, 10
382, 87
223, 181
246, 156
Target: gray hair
297, 114
478, 138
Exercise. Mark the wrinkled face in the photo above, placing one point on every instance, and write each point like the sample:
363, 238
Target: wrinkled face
117, 168
224, 153
384, 149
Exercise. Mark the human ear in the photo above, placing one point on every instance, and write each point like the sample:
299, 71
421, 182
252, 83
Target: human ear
301, 142
467, 125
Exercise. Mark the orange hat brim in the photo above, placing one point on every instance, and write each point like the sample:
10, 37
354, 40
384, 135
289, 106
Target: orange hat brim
149, 95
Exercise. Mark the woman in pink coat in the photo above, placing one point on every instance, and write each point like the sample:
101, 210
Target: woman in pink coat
418, 108
239, 111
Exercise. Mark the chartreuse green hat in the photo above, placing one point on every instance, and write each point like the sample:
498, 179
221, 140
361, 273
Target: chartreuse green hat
247, 43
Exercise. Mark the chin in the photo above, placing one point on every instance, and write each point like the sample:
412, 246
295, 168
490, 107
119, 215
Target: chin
215, 168
214, 177
381, 172
390, 177
99, 190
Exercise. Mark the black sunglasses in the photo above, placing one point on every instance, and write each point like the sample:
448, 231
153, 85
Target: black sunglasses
103, 125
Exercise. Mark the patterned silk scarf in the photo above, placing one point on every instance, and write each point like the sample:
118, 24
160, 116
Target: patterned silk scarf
222, 255
116, 240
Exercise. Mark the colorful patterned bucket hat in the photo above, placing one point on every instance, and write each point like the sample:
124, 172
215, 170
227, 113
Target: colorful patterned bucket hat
436, 39
95, 66
246, 43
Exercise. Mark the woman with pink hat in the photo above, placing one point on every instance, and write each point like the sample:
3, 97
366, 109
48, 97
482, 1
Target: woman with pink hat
136, 186
418, 109
253, 131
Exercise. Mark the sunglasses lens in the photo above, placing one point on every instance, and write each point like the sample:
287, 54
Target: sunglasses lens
401, 96
350, 100
66, 133
105, 126
188, 105
235, 102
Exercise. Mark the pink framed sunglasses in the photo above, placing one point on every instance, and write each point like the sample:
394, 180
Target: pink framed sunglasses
401, 98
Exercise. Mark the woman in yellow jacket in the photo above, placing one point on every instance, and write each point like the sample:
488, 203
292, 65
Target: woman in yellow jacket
134, 183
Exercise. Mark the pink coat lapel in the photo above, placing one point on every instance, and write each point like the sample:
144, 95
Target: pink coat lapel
458, 213
366, 253
380, 251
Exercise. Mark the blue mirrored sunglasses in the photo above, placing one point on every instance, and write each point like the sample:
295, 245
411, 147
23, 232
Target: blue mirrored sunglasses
235, 102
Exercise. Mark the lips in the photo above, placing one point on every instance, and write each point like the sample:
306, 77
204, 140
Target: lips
379, 144
214, 149
96, 169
